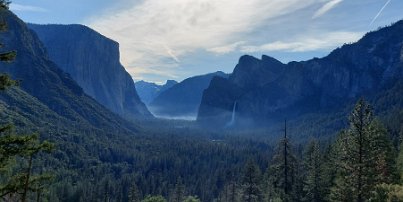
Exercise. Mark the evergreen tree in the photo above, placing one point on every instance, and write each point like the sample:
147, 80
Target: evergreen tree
24, 147
313, 188
8, 56
154, 199
179, 191
134, 193
251, 183
365, 157
282, 172
230, 191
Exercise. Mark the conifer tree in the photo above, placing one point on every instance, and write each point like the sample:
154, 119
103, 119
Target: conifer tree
251, 191
8, 56
365, 157
134, 193
282, 172
179, 192
313, 188
12, 146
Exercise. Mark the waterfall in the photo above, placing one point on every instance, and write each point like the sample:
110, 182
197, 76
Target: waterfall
232, 122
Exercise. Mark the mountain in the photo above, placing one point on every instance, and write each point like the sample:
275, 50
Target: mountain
183, 99
92, 60
264, 90
149, 91
47, 97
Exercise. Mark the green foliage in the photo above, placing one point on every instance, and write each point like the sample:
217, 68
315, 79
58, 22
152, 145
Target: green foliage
6, 81
134, 193
8, 56
283, 172
313, 182
251, 183
21, 148
400, 163
387, 193
365, 157
154, 199
191, 199
179, 191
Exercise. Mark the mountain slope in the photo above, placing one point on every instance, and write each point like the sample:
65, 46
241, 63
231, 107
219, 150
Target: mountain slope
149, 91
49, 86
183, 99
267, 90
92, 60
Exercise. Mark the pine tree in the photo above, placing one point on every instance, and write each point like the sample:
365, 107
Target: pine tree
9, 56
251, 183
282, 171
365, 157
313, 173
25, 147
179, 191
134, 193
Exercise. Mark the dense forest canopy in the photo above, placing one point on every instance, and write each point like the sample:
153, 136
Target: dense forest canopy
180, 161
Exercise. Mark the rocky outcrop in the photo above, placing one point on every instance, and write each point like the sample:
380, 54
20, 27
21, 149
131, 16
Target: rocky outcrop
183, 99
149, 91
92, 60
265, 89
53, 91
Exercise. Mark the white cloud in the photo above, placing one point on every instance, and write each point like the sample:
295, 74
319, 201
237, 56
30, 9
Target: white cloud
226, 48
307, 43
156, 34
325, 8
19, 7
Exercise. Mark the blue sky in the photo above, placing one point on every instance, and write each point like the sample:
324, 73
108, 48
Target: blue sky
176, 39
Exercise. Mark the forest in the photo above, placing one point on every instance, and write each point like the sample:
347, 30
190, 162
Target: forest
180, 161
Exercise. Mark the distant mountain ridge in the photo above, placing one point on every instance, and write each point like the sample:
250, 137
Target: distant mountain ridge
183, 99
92, 60
265, 89
149, 91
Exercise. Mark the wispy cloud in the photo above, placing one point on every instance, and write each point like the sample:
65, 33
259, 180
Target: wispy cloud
326, 8
380, 11
26, 8
226, 48
303, 44
156, 34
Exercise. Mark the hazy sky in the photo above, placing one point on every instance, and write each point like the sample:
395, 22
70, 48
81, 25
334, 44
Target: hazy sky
176, 39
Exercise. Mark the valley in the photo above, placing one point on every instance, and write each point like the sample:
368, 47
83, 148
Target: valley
75, 126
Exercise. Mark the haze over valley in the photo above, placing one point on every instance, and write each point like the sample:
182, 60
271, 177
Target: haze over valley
201, 100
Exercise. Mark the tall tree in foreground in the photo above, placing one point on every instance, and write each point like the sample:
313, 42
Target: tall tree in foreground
365, 157
313, 183
282, 172
17, 148
251, 183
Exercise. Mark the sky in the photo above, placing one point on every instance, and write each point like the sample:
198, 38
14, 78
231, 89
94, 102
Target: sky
177, 39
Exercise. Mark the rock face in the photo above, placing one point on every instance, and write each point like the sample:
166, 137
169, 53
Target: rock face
92, 60
149, 91
51, 89
265, 89
183, 99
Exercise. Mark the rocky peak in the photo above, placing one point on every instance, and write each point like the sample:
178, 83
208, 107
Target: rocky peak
93, 62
